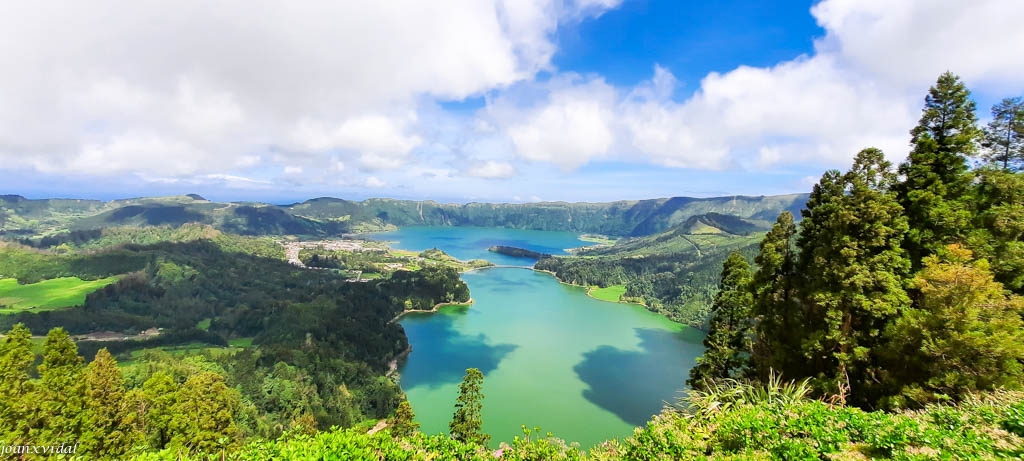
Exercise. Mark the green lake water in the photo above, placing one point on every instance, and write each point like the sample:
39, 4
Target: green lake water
583, 369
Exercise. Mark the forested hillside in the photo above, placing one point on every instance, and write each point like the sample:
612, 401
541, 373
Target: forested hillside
674, 272
23, 218
201, 321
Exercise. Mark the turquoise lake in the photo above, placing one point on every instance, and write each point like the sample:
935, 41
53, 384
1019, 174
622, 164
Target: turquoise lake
585, 370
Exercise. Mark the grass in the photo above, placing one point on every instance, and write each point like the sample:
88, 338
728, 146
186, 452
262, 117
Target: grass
611, 293
204, 324
240, 342
47, 294
597, 239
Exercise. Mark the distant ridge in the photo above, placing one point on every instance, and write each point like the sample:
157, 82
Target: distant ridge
329, 216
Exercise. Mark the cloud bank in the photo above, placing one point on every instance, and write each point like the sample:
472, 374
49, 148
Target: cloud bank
353, 93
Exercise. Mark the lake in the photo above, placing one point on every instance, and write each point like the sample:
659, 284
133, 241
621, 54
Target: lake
585, 370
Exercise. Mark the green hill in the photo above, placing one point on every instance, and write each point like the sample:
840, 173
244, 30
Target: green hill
325, 216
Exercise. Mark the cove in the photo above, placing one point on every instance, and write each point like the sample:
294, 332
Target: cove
585, 370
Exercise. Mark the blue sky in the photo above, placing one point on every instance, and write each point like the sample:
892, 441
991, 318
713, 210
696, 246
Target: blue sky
478, 100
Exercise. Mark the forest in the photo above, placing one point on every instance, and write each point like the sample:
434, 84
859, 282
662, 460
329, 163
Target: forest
313, 349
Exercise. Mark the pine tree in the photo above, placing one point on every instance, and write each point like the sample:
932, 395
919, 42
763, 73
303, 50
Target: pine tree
16, 390
467, 422
934, 192
1004, 135
108, 434
403, 423
777, 315
853, 282
61, 405
726, 346
966, 335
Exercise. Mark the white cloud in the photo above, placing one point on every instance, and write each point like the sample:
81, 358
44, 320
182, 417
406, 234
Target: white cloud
109, 87
569, 128
226, 80
491, 169
374, 182
862, 87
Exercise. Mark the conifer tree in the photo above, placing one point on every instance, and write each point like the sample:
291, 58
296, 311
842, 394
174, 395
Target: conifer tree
935, 188
17, 393
776, 313
109, 433
467, 422
853, 282
403, 423
727, 344
202, 418
966, 335
60, 412
1004, 135
999, 224
158, 398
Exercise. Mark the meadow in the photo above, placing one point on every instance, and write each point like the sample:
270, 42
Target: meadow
48, 294
611, 293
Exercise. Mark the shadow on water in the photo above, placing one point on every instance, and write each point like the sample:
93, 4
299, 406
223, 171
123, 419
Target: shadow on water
635, 385
444, 354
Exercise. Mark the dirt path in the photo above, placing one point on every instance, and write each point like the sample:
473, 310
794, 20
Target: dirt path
379, 427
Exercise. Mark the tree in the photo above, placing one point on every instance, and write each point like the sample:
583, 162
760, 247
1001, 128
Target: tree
726, 346
109, 433
965, 335
467, 422
61, 403
403, 422
934, 192
999, 224
202, 418
1004, 135
775, 311
158, 399
17, 392
853, 274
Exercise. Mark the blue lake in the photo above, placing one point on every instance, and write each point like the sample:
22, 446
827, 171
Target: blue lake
584, 369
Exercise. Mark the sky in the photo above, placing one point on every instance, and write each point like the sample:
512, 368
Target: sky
476, 100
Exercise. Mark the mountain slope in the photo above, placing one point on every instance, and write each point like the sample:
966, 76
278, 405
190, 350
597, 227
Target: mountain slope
325, 216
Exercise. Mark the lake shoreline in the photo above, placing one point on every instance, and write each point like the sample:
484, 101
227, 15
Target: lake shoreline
431, 310
591, 287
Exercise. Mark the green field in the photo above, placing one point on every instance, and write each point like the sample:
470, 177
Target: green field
47, 294
611, 293
240, 342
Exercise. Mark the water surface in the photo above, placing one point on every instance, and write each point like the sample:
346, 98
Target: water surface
584, 369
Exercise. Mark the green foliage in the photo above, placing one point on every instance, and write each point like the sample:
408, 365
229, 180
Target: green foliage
775, 309
934, 191
1004, 135
727, 344
965, 334
999, 224
202, 417
16, 390
60, 406
110, 431
673, 273
739, 421
467, 422
402, 424
852, 267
